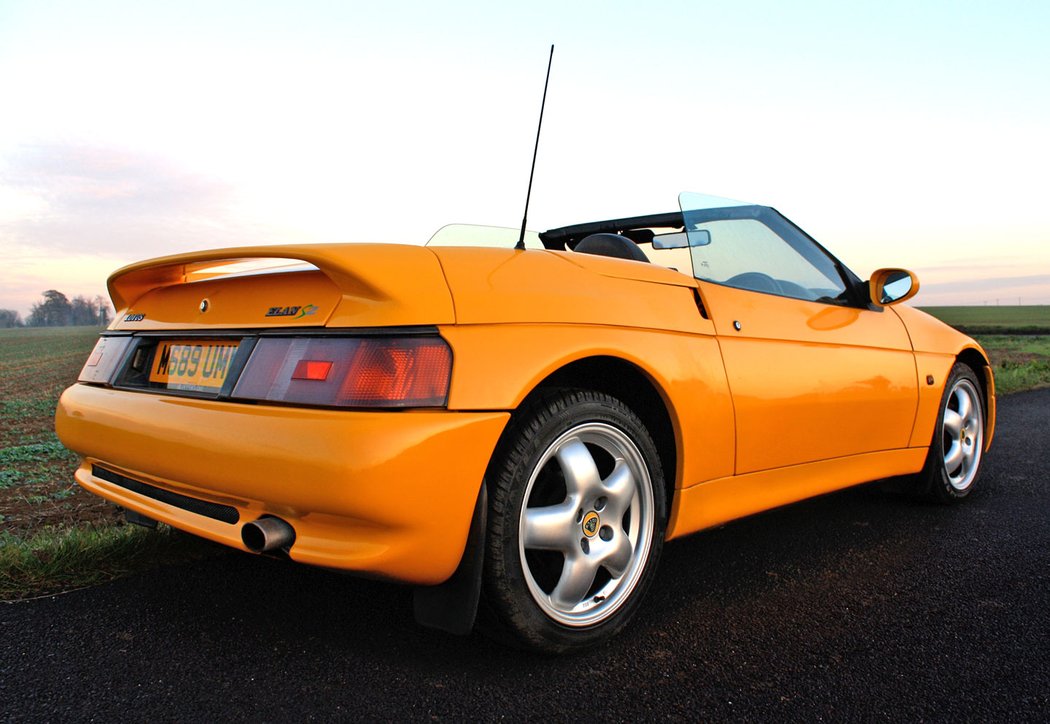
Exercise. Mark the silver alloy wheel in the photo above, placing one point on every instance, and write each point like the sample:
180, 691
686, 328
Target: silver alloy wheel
602, 528
963, 434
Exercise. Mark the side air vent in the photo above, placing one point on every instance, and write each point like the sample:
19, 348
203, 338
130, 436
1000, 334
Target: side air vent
216, 511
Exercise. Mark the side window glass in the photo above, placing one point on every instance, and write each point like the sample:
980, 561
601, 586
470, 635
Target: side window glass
747, 254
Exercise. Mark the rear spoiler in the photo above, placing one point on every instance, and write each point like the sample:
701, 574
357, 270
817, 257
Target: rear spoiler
401, 284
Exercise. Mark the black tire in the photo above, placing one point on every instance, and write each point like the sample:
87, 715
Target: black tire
577, 513
953, 463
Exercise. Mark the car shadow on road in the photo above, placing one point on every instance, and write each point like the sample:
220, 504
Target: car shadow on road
276, 603
795, 611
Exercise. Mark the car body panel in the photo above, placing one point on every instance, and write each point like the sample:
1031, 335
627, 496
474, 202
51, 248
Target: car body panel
498, 365
937, 346
381, 493
367, 285
937, 367
503, 286
719, 501
303, 299
799, 370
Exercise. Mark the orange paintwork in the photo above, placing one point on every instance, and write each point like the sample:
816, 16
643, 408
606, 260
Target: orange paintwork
497, 365
802, 399
234, 303
718, 501
376, 285
936, 347
501, 286
878, 280
799, 370
383, 493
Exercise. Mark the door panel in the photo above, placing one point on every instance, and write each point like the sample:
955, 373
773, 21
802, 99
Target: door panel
812, 381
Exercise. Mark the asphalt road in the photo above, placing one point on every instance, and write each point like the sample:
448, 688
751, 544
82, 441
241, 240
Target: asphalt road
856, 606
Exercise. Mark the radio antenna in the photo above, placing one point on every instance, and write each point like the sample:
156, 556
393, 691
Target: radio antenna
535, 150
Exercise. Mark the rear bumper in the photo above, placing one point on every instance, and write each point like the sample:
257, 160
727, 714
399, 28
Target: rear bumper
382, 493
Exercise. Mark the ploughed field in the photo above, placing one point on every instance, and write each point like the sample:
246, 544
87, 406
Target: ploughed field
36, 473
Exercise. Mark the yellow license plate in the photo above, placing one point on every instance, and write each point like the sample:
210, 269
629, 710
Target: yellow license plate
192, 365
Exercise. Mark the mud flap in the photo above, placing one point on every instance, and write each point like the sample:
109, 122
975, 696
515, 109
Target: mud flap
453, 605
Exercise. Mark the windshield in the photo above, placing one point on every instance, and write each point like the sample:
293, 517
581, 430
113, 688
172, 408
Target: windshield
498, 237
755, 248
724, 241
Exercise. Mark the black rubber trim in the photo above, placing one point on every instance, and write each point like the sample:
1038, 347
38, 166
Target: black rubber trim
568, 235
226, 332
240, 360
215, 511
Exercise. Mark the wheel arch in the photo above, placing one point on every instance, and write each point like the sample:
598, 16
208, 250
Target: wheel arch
452, 606
631, 384
976, 360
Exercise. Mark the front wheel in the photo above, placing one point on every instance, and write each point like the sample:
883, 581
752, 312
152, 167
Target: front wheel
576, 523
957, 448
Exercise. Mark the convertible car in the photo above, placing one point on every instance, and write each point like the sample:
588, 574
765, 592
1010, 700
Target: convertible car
515, 429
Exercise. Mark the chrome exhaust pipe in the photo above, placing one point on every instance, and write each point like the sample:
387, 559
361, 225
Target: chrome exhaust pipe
267, 534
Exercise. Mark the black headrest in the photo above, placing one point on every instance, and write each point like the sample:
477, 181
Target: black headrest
612, 245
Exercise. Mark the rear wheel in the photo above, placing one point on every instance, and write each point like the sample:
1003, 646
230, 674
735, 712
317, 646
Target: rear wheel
576, 523
956, 451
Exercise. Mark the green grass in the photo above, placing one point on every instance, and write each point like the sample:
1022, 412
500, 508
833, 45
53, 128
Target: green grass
57, 536
1020, 362
1017, 339
997, 319
54, 560
37, 451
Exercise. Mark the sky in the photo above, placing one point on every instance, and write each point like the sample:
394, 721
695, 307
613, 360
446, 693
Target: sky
899, 134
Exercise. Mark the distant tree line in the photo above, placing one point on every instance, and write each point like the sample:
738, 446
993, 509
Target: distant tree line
57, 310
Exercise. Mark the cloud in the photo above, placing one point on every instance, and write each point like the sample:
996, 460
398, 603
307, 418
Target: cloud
71, 214
1021, 289
26, 273
985, 284
68, 198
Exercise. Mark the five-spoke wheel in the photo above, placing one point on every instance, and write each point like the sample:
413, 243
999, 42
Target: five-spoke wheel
576, 520
963, 428
583, 554
958, 442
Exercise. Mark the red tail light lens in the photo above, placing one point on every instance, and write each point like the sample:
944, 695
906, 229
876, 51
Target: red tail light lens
398, 369
349, 371
312, 369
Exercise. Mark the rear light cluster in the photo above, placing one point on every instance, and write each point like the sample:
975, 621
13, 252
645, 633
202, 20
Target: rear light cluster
348, 372
108, 353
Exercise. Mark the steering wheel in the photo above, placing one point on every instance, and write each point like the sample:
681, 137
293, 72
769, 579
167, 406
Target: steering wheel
755, 282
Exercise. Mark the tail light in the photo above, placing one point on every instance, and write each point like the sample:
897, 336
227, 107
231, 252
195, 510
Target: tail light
104, 359
348, 371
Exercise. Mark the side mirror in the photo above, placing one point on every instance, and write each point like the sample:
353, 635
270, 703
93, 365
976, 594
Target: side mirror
890, 286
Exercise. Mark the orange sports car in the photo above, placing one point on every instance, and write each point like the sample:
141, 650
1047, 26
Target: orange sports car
526, 422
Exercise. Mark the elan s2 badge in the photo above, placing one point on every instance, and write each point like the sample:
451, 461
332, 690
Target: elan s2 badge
296, 312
